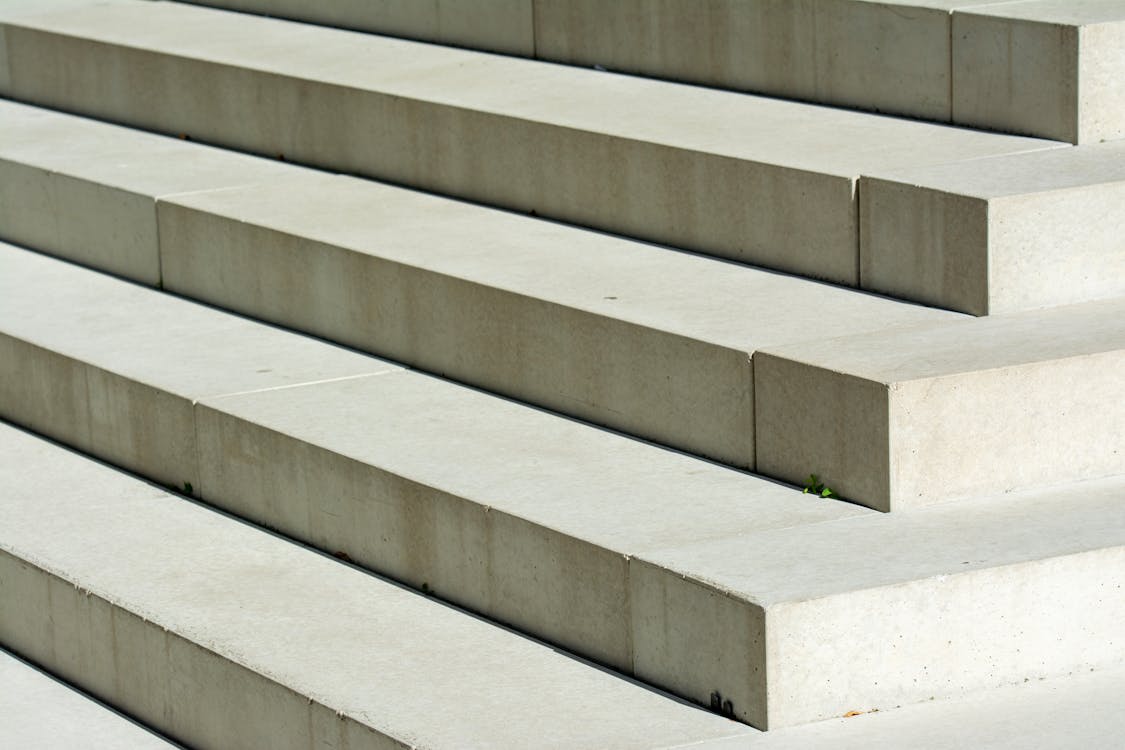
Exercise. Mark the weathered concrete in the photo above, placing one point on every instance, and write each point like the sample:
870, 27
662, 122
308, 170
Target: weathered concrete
904, 418
495, 25
1054, 68
114, 369
654, 343
998, 235
87, 190
280, 647
751, 178
37, 711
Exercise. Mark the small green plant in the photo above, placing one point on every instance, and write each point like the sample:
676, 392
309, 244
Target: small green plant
187, 488
814, 486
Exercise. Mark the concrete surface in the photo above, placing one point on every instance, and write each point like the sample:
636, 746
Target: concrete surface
998, 235
86, 190
494, 25
1050, 67
37, 711
1063, 713
280, 647
654, 343
809, 623
973, 407
114, 369
751, 178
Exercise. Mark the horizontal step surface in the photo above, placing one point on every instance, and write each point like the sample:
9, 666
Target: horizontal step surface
645, 340
38, 711
750, 178
979, 406
717, 585
999, 235
943, 60
225, 636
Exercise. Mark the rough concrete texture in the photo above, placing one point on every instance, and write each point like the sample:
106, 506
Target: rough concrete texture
37, 711
998, 235
751, 178
647, 341
1054, 68
281, 647
875, 612
86, 190
119, 377
1063, 713
507, 510
910, 417
494, 25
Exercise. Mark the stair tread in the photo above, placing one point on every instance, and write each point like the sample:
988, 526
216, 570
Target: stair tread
292, 616
38, 711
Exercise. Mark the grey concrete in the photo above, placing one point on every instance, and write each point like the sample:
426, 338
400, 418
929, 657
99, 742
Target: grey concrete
750, 178
1054, 68
504, 509
651, 342
86, 190
224, 636
114, 369
494, 25
914, 416
876, 612
998, 235
37, 711
1076, 711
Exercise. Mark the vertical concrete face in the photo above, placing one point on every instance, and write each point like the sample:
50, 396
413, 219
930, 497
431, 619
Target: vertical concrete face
699, 642
815, 421
1051, 68
494, 25
889, 58
929, 246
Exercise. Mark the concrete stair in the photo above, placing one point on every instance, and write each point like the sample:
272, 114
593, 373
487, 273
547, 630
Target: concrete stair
943, 60
469, 462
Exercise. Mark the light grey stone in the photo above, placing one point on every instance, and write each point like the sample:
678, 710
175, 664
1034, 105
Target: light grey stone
914, 416
87, 190
37, 711
998, 235
877, 612
644, 340
221, 635
496, 25
1052, 68
750, 178
114, 368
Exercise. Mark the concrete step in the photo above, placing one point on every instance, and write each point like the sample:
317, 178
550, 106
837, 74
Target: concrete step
655, 343
719, 586
910, 417
944, 60
749, 178
999, 235
37, 711
1080, 710
223, 636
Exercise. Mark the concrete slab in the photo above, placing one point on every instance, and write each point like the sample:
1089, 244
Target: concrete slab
900, 419
506, 510
494, 25
86, 190
998, 235
750, 178
224, 636
1054, 68
38, 711
876, 612
1082, 710
654, 343
114, 368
